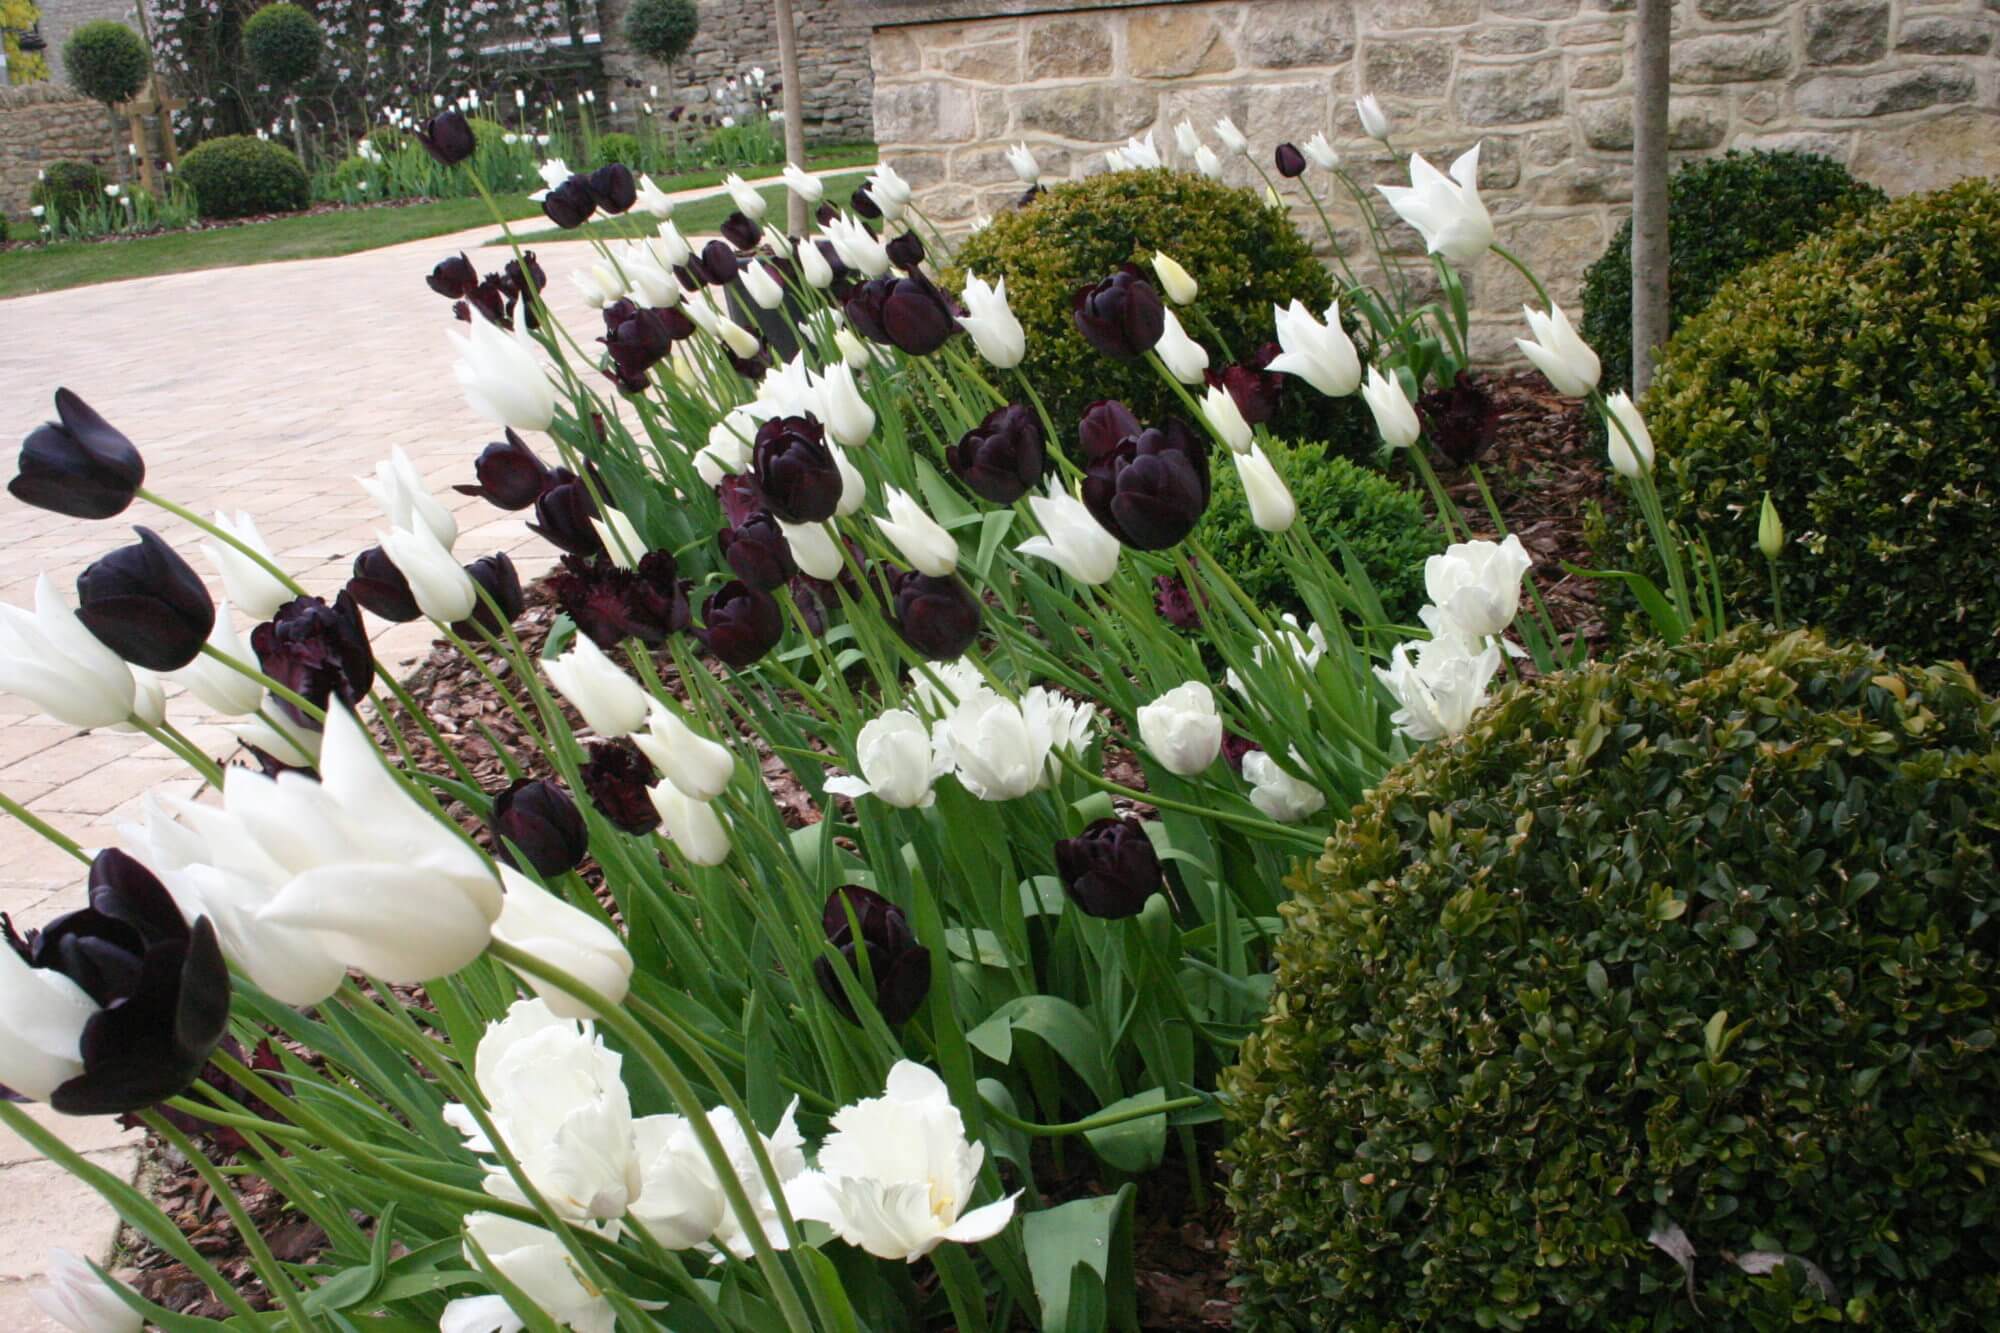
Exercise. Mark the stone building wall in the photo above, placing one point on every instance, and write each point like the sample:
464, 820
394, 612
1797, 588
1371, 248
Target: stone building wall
42, 123
837, 83
1902, 91
62, 17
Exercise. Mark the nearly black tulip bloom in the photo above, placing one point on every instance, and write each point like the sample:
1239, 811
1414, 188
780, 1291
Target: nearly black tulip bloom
613, 187
1177, 605
540, 819
1001, 458
757, 550
795, 468
521, 273
563, 512
610, 604
637, 339
570, 204
454, 278
910, 313
509, 472
718, 263
80, 466
146, 604
825, 213
741, 623
863, 203
448, 137
899, 966
380, 587
316, 651
496, 576
906, 251
1291, 162
616, 779
1254, 389
161, 987
1103, 424
1462, 421
936, 616
489, 299
742, 231
1122, 316
740, 496
1152, 489
1109, 869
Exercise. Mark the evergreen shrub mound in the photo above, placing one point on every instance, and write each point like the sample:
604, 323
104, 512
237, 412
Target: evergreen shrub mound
67, 188
662, 30
283, 44
240, 176
1703, 937
106, 61
616, 146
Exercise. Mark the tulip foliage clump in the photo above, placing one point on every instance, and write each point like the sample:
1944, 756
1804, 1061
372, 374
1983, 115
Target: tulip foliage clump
629, 1041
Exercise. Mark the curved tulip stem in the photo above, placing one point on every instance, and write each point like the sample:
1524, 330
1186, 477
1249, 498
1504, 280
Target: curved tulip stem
1054, 437
1527, 273
296, 700
220, 534
1262, 827
171, 739
43, 827
1091, 1124
1331, 240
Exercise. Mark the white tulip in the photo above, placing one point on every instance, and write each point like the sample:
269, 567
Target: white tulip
671, 246
898, 762
1321, 153
785, 1149
699, 767
681, 1201
1630, 443
1441, 688
739, 339
1000, 749
149, 702
540, 923
848, 417
1321, 354
553, 173
921, 539
81, 1301
503, 378
853, 486
1271, 505
1232, 138
442, 588
1395, 419
1176, 281
1446, 211
804, 184
1183, 728
598, 283
1141, 154
621, 539
255, 588
855, 351
1306, 647
1023, 162
857, 247
1074, 542
51, 660
1207, 163
535, 1261
230, 693
1225, 418
749, 201
1374, 120
764, 289
42, 1016
693, 826
1186, 140
994, 330
289, 742
1559, 353
1476, 586
890, 191
813, 266
405, 500
814, 549
1185, 359
611, 702
651, 285
653, 200
1277, 793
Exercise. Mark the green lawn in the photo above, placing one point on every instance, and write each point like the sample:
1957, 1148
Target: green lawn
694, 217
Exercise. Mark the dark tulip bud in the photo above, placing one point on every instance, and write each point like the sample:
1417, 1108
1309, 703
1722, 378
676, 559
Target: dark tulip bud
906, 251
1029, 196
757, 550
612, 187
521, 273
811, 595
742, 232
448, 137
563, 512
909, 313
454, 277
489, 300
461, 312
510, 475
1462, 421
80, 467
1235, 747
1291, 162
676, 114
637, 339
146, 604
741, 623
539, 819
1001, 458
616, 779
718, 263
690, 275
570, 204
495, 576
1176, 603
1121, 316
795, 469
380, 587
899, 967
1109, 869
752, 368
1104, 424
316, 651
825, 213
1152, 489
864, 205
1254, 390
936, 616
740, 496
610, 604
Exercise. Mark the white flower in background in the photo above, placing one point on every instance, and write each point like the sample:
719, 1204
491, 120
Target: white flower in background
1306, 645
1186, 139
621, 539
149, 702
814, 268
502, 375
944, 685
853, 486
248, 583
699, 767
991, 324
1074, 542
896, 1173
857, 247
1321, 354
397, 487
1445, 210
803, 183
1185, 359
41, 1035
673, 248
1395, 419
1023, 162
898, 762
442, 588
920, 539
748, 200
1559, 353
1000, 749
848, 417
1218, 408
1175, 281
781, 244
764, 289
649, 284
653, 200
1207, 163
1441, 688
855, 351
553, 173
1271, 505
1183, 728
1476, 586
535, 1261
611, 702
1114, 159
1277, 793
542, 924
1321, 153
980, 222
700, 307
890, 191
693, 826
1630, 443
1141, 154
48, 658
1232, 138
230, 693
814, 549
81, 1301
785, 1147
1374, 120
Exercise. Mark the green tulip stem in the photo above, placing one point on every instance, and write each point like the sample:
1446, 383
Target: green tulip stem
492, 679
1447, 511
182, 749
967, 367
1379, 239
43, 827
408, 704
220, 534
1208, 326
298, 701
1528, 273
1777, 597
1262, 827
1331, 239
1049, 431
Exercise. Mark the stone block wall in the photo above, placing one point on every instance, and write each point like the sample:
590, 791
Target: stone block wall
1902, 91
837, 84
42, 123
60, 18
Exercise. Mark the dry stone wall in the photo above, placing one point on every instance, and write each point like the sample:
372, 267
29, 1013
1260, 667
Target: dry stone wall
1902, 91
42, 123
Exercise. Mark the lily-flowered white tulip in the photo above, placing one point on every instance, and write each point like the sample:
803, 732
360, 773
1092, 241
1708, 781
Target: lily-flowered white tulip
621, 539
1186, 139
653, 200
921, 539
48, 658
1395, 419
1232, 138
1630, 444
81, 1301
502, 376
442, 588
230, 693
803, 183
814, 549
895, 1175
540, 923
1142, 154
553, 173
598, 284
848, 417
1074, 542
1185, 359
1439, 689
1321, 153
1207, 163
256, 589
1000, 749
748, 200
1023, 162
814, 268
739, 339
699, 767
290, 743
764, 289
1321, 354
42, 1015
671, 246
898, 762
1278, 794
149, 702
857, 247
1175, 281
1559, 353
993, 328
1183, 728
399, 489
1374, 120
1225, 418
1271, 505
1446, 210
728, 449
535, 1261
1476, 586
611, 702
650, 285
692, 826
890, 191
855, 351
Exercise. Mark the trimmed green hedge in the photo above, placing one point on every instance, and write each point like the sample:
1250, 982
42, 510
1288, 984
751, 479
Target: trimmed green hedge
662, 30
106, 61
283, 44
240, 175
617, 146
67, 188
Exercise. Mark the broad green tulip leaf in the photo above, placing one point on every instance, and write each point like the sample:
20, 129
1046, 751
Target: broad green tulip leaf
1066, 1029
357, 1284
1094, 1235
993, 530
1666, 621
1136, 1145
978, 946
562, 633
1042, 896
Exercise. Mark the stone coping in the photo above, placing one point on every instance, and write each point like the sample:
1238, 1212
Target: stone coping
904, 13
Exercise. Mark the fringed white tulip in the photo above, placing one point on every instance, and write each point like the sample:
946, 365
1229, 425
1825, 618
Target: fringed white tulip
1319, 353
1182, 728
1074, 542
1000, 749
921, 539
1320, 153
1476, 586
1142, 154
48, 658
1207, 163
256, 589
1440, 688
1186, 139
1395, 420
899, 765
535, 1261
1278, 794
1559, 353
1446, 210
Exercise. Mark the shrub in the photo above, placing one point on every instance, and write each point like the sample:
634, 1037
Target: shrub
283, 44
68, 189
487, 134
356, 176
662, 30
1245, 256
1854, 379
1710, 203
1388, 529
240, 175
616, 146
106, 61
1701, 937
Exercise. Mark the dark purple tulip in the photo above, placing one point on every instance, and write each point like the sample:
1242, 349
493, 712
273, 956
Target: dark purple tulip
741, 231
1109, 869
454, 278
906, 251
1461, 421
740, 496
1001, 458
637, 338
825, 213
910, 313
488, 299
161, 987
757, 550
719, 263
899, 966
863, 203
795, 469
316, 651
1151, 490
1291, 162
448, 137
1234, 748
520, 273
1104, 423
496, 576
1029, 195
1254, 389
570, 204
146, 604
936, 616
563, 512
610, 604
380, 587
752, 368
741, 623
1121, 316
616, 779
509, 472
612, 187
540, 819
81, 467
1176, 604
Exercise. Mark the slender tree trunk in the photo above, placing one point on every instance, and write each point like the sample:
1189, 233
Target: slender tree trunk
795, 128
1649, 190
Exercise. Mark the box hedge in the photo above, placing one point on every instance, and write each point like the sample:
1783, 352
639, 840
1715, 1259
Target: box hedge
67, 189
106, 61
239, 176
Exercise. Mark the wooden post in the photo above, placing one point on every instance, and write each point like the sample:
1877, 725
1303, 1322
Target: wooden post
795, 128
1650, 324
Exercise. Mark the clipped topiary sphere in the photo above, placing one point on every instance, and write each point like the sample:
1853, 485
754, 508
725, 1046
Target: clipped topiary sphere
616, 146
1701, 938
1854, 379
1723, 214
240, 175
66, 188
106, 61
283, 44
662, 30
